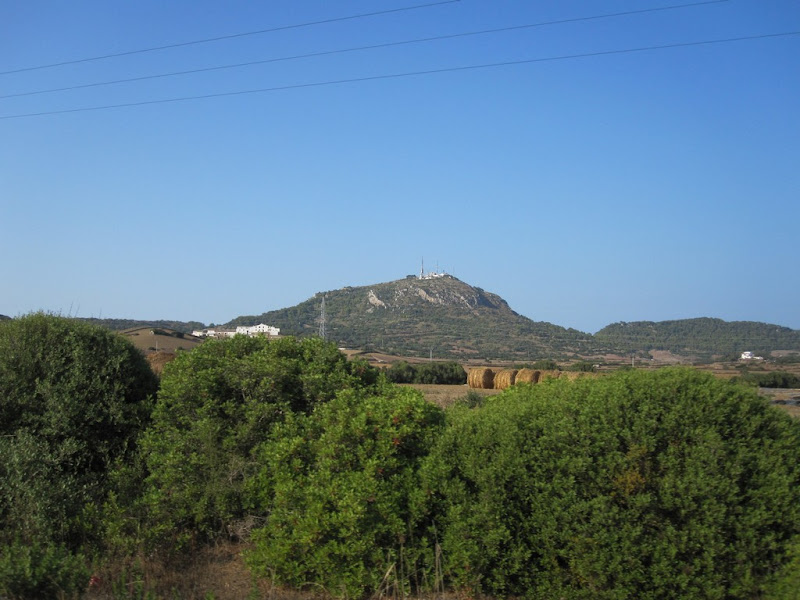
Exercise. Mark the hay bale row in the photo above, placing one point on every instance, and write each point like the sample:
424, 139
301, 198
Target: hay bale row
486, 379
505, 379
528, 376
481, 379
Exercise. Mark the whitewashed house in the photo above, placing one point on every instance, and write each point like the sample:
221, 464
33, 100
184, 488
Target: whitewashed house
219, 332
259, 329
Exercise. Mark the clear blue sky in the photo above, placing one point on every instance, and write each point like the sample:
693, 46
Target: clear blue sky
652, 185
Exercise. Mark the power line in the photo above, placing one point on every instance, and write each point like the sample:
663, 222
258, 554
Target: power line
363, 48
228, 37
402, 75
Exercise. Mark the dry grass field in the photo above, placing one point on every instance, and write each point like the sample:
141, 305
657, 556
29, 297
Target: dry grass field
444, 395
148, 341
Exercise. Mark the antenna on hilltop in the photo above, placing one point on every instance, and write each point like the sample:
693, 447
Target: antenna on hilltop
322, 319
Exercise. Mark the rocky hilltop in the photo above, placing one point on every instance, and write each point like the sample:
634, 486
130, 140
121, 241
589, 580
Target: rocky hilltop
442, 315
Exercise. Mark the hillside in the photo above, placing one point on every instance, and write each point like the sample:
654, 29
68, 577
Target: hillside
121, 324
703, 336
414, 316
160, 339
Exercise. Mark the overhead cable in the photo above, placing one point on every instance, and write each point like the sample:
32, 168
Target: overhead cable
363, 48
228, 37
407, 74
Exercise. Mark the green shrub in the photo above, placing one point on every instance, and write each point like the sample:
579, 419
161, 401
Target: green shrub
772, 379
32, 571
338, 487
216, 403
786, 584
401, 372
73, 398
441, 373
639, 485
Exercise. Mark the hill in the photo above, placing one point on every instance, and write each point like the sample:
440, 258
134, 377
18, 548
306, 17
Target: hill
121, 324
160, 339
703, 336
442, 315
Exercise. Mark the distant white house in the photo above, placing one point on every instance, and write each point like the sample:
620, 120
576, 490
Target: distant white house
220, 332
259, 329
749, 356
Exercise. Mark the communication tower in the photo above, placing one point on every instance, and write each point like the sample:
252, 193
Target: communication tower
322, 332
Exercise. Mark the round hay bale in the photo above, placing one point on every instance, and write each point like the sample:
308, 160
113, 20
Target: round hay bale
481, 379
550, 375
528, 376
505, 379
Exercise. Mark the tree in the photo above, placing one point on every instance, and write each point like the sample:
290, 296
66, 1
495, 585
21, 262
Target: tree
73, 398
216, 404
337, 488
648, 485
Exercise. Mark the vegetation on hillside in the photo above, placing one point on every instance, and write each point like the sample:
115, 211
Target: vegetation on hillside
413, 317
121, 324
700, 336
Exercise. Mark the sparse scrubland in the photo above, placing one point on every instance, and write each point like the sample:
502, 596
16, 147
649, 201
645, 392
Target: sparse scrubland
312, 472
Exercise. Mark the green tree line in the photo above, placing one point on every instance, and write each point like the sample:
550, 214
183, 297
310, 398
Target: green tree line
443, 373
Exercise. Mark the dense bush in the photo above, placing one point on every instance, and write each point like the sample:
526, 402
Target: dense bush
73, 398
442, 373
34, 571
772, 379
215, 405
638, 485
338, 485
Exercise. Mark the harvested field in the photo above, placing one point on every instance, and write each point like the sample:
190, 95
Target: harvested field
148, 339
445, 395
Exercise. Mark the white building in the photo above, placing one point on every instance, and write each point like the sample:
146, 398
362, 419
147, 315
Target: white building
749, 356
219, 332
259, 329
